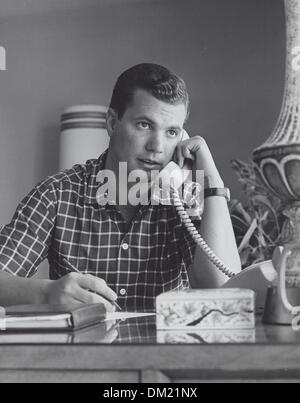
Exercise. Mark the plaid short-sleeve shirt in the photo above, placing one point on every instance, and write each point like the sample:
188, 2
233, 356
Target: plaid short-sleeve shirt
61, 219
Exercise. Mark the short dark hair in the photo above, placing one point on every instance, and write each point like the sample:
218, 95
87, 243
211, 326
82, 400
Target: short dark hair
157, 80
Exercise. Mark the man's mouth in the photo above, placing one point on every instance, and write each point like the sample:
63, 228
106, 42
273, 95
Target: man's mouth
150, 163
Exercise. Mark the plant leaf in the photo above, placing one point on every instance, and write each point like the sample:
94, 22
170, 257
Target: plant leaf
248, 235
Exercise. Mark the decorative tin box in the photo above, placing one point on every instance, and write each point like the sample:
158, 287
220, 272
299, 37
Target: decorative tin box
206, 309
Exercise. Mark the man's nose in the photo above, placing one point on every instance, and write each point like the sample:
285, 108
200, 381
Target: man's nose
155, 143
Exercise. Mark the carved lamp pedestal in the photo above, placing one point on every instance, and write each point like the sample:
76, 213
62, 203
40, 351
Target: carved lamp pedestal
277, 164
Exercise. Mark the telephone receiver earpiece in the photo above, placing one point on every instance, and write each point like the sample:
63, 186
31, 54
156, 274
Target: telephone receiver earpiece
185, 135
188, 164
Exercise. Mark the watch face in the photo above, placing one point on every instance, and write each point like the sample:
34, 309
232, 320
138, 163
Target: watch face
228, 194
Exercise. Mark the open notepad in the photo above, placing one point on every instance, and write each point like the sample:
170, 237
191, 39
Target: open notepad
60, 317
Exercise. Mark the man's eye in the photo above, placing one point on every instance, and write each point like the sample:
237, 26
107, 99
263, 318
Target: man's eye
172, 133
143, 125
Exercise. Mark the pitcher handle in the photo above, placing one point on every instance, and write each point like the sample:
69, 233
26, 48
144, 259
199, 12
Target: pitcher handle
282, 280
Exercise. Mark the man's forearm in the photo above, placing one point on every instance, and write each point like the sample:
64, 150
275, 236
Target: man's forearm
217, 231
16, 290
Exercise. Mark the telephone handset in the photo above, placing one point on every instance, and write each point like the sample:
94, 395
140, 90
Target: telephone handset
174, 175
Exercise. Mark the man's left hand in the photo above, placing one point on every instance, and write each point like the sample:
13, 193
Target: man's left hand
196, 149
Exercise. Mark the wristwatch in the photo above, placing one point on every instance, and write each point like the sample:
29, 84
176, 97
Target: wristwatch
223, 192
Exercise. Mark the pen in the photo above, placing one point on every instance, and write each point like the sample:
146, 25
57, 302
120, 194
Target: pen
78, 271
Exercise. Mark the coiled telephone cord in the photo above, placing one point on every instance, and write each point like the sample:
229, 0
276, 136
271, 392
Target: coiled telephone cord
185, 219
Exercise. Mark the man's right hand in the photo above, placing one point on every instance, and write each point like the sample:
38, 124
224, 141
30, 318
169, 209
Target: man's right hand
80, 288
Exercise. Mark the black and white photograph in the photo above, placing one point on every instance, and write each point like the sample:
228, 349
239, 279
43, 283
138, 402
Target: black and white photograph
150, 194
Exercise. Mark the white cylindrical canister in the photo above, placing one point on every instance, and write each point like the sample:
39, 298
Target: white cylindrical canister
83, 134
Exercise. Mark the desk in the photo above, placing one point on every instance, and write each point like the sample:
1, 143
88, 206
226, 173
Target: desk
134, 352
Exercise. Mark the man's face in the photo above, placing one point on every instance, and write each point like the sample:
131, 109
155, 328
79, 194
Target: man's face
147, 134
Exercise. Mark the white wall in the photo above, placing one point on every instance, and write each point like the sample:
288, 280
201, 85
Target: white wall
230, 52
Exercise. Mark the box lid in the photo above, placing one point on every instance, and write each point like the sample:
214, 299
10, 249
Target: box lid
205, 294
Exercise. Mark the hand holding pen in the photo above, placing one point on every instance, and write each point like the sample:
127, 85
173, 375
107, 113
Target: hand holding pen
78, 287
111, 298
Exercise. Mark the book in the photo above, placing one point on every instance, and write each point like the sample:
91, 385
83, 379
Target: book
61, 317
53, 317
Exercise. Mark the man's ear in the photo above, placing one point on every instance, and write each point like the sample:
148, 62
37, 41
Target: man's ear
111, 120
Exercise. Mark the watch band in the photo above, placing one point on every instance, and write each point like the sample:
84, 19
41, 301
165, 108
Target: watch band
223, 192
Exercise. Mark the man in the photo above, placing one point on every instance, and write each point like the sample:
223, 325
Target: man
100, 253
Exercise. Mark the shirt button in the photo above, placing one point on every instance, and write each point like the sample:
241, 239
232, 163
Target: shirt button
122, 291
125, 246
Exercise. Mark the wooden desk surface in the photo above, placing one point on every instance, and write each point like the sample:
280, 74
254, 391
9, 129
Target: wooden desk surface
134, 352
